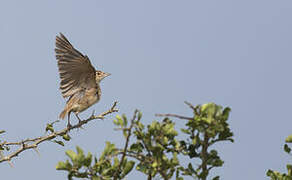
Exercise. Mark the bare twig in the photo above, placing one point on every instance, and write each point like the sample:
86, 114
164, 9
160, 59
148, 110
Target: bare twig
149, 176
175, 115
190, 105
179, 116
193, 108
34, 142
124, 153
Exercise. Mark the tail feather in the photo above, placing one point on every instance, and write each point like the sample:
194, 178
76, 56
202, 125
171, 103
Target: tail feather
63, 114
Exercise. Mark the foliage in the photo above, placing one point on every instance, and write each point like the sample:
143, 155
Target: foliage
275, 175
82, 166
155, 149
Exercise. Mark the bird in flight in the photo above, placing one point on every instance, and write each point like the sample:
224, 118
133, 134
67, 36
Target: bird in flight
79, 79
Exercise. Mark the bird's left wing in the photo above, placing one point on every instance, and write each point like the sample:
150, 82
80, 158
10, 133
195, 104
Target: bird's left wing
75, 69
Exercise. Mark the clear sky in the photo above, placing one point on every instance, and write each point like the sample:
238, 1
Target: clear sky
160, 53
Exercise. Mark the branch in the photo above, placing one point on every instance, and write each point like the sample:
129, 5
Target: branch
126, 145
204, 156
175, 115
196, 109
163, 174
182, 117
34, 142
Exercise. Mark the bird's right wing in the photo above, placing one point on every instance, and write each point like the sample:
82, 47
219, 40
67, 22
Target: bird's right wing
75, 69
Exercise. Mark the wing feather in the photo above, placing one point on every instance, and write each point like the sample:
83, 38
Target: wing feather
75, 70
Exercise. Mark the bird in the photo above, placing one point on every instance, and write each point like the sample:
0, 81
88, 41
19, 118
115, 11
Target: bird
80, 81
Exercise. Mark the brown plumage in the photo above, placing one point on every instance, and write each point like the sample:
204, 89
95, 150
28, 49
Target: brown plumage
79, 79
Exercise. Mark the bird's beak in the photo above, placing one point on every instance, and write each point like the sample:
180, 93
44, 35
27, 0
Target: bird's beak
107, 74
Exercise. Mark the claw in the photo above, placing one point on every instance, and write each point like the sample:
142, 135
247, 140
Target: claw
78, 117
93, 112
79, 120
69, 125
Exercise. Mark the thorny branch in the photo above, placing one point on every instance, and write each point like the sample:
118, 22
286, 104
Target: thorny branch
175, 115
124, 153
179, 116
34, 142
195, 109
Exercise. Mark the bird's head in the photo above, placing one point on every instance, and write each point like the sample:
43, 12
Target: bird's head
101, 75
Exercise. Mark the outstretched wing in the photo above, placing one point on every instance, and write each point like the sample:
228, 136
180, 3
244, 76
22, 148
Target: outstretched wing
75, 69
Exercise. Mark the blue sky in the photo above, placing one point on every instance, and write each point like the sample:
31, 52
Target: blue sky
160, 53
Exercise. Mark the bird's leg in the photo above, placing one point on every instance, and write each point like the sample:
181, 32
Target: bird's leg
76, 114
69, 124
92, 115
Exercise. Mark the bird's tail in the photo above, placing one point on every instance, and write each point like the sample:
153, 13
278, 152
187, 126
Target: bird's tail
63, 113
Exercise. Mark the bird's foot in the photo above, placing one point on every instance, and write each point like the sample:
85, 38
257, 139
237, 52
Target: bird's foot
79, 120
69, 125
79, 123
92, 114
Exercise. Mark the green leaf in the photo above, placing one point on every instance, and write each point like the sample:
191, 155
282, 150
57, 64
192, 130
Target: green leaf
120, 120
95, 178
155, 164
116, 122
140, 126
194, 141
191, 169
216, 178
289, 139
287, 148
153, 126
142, 168
177, 175
207, 106
125, 133
174, 160
136, 147
218, 163
210, 111
139, 115
125, 121
50, 128
80, 159
186, 131
209, 119
66, 137
59, 142
192, 151
79, 150
64, 166
289, 168
88, 159
226, 113
116, 162
165, 140
128, 167
61, 166
270, 172
169, 129
72, 155
108, 150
